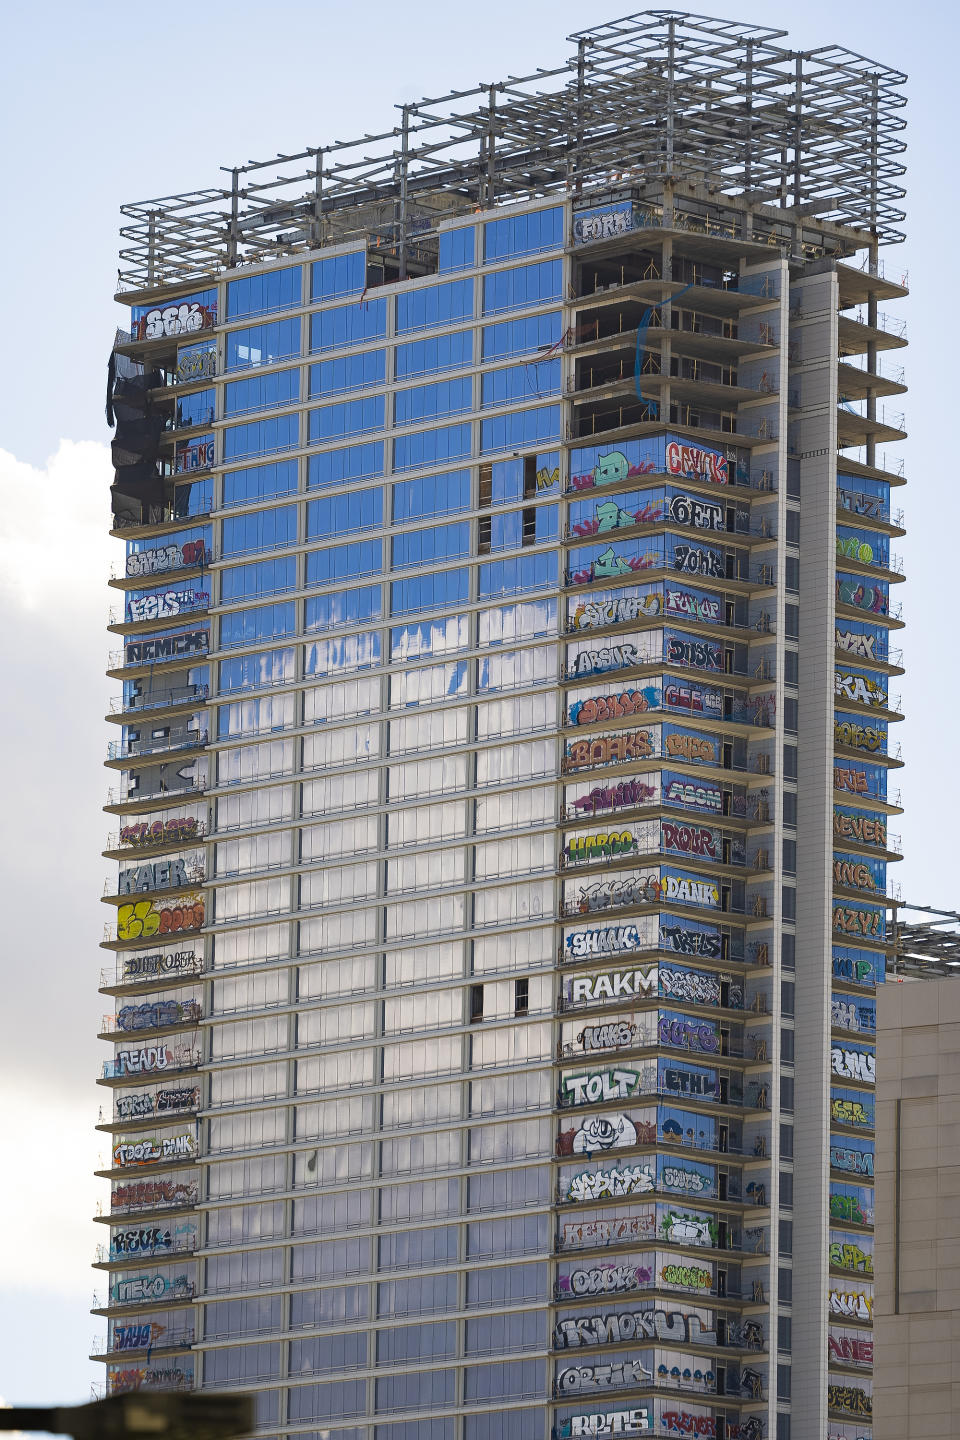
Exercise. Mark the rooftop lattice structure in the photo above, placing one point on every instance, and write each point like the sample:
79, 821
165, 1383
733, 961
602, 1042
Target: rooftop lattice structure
926, 949
658, 97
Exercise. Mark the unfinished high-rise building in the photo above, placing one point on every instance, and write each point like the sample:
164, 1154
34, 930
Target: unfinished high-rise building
503, 756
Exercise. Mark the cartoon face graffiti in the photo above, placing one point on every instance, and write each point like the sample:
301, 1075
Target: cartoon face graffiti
604, 1132
610, 468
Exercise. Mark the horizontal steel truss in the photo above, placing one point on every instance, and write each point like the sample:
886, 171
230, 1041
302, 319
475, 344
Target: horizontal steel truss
656, 97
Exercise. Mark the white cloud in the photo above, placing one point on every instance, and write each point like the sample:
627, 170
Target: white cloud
54, 543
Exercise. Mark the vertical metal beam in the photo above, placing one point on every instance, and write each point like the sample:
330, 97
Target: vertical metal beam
233, 232
671, 94
404, 161
317, 227
798, 131
491, 186
578, 135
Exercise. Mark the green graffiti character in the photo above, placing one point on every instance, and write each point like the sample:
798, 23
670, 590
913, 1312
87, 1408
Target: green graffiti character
610, 516
610, 468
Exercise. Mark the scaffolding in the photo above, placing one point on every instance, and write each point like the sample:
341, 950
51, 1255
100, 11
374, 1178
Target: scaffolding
925, 949
652, 100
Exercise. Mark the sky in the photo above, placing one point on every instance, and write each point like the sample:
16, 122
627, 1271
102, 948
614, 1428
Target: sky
108, 102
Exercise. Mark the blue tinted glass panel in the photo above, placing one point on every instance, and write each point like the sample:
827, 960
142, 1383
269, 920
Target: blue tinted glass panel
348, 372
524, 572
337, 467
434, 305
344, 562
526, 285
429, 592
431, 495
261, 437
456, 249
196, 409
251, 672
343, 514
439, 352
523, 234
263, 344
349, 417
519, 383
516, 337
258, 294
348, 652
439, 542
260, 530
263, 622
339, 275
431, 447
193, 498
428, 402
348, 325
342, 607
265, 577
262, 392
520, 428
260, 482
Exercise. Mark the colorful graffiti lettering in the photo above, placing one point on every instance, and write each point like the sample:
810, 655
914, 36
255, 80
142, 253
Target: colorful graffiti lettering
606, 657
582, 943
853, 736
596, 1085
679, 745
850, 1112
859, 596
691, 985
615, 1230
691, 1277
854, 1064
848, 1207
853, 875
687, 1034
153, 1151
610, 1422
610, 1184
694, 462
853, 1304
699, 560
165, 605
605, 1280
853, 643
862, 829
851, 1399
614, 985
691, 839
580, 1378
866, 923
684, 1180
668, 1326
153, 1194
850, 1257
848, 1157
142, 967
693, 606
699, 654
691, 942
160, 832
703, 1426
166, 647
694, 698
590, 614
849, 686
691, 795
624, 795
604, 846
850, 1349
610, 749
145, 918
158, 561
177, 319
614, 707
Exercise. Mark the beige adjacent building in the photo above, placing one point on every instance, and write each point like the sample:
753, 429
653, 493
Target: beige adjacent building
917, 1259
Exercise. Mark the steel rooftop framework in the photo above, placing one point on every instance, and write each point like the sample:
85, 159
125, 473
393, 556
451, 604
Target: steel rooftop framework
654, 98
